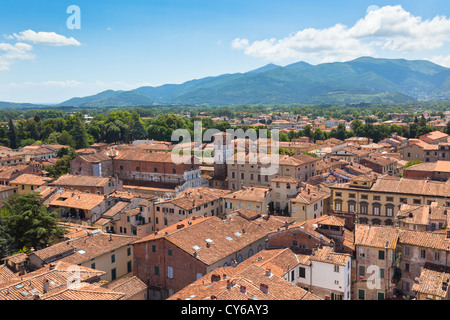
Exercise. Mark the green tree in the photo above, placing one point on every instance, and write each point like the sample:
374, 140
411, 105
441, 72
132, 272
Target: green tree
79, 134
66, 139
5, 240
12, 135
28, 222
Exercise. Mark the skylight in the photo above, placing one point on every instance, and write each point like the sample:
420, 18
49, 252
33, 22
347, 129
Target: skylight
196, 247
237, 234
229, 238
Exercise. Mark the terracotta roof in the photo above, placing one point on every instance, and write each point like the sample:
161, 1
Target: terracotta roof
28, 285
83, 248
115, 209
434, 280
211, 239
77, 180
244, 284
403, 186
314, 195
257, 194
6, 274
142, 155
194, 197
286, 180
425, 239
83, 292
245, 213
327, 255
131, 286
31, 179
75, 199
376, 236
95, 157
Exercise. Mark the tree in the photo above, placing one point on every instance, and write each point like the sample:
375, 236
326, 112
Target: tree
12, 135
412, 163
66, 139
79, 134
5, 240
28, 222
62, 166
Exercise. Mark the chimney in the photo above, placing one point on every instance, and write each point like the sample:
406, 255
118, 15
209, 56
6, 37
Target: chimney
243, 289
46, 286
229, 284
264, 288
268, 272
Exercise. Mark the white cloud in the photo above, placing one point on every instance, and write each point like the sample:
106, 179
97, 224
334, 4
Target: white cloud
441, 60
390, 28
11, 52
46, 38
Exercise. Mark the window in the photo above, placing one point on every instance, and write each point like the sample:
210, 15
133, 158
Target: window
437, 256
364, 208
92, 265
169, 252
380, 296
390, 199
338, 194
381, 255
352, 195
361, 294
169, 272
362, 253
302, 272
376, 210
128, 251
406, 267
113, 274
351, 207
156, 270
423, 254
362, 271
381, 273
416, 201
376, 198
336, 268
233, 174
389, 211
113, 258
364, 196
129, 267
406, 251
153, 248
338, 206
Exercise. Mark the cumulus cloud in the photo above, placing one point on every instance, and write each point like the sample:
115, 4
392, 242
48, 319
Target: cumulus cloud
46, 38
11, 52
390, 28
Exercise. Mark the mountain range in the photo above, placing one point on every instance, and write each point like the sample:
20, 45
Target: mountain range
366, 79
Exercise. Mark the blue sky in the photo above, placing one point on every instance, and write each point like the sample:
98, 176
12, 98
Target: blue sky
127, 44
